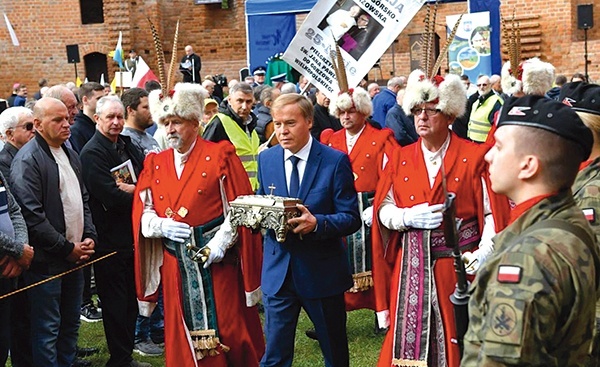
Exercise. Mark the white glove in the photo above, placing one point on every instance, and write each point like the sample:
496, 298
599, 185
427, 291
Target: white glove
423, 216
175, 231
471, 262
367, 216
217, 252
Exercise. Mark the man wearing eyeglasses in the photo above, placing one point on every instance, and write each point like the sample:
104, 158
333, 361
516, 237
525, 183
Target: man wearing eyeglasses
483, 111
16, 125
409, 202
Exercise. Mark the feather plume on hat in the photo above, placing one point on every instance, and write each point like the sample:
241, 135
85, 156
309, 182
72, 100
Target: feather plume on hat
347, 97
186, 100
449, 96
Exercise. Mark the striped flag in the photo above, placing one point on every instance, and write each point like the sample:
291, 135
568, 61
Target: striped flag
509, 274
142, 74
11, 31
118, 56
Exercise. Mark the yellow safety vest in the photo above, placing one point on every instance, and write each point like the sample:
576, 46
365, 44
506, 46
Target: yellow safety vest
479, 126
245, 147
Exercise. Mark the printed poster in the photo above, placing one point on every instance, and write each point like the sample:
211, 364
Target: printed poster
363, 29
470, 52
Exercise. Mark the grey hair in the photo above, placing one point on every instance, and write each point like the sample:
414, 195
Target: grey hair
9, 118
242, 87
102, 102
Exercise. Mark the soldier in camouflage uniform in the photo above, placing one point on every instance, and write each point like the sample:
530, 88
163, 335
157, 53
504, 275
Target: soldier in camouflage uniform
585, 100
532, 302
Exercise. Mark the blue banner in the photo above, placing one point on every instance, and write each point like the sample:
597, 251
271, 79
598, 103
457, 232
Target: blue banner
268, 35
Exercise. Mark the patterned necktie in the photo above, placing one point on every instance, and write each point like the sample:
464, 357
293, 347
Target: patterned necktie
295, 177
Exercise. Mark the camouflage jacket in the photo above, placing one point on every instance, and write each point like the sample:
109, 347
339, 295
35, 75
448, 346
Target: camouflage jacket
586, 191
533, 302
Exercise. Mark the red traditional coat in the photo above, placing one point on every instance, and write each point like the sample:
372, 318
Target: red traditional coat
407, 172
366, 158
198, 190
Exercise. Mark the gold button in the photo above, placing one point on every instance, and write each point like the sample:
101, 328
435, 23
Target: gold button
157, 181
329, 144
204, 174
465, 160
405, 179
207, 158
200, 192
362, 168
373, 143
404, 163
456, 179
157, 166
368, 155
412, 197
161, 197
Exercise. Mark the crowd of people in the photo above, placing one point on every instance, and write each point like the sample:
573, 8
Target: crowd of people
82, 180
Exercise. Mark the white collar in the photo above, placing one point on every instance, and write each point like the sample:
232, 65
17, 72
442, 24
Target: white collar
183, 157
432, 156
302, 153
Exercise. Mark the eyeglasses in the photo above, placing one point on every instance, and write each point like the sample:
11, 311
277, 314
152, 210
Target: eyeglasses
27, 126
428, 111
482, 85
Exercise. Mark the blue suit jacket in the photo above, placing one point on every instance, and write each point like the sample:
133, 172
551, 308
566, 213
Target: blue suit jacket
319, 263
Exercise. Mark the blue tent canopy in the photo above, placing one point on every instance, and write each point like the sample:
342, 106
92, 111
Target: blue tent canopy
260, 7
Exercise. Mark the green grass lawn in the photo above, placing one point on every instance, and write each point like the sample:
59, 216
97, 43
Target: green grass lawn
364, 343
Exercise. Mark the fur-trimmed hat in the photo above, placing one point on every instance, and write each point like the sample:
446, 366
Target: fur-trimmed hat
357, 98
537, 77
449, 93
186, 100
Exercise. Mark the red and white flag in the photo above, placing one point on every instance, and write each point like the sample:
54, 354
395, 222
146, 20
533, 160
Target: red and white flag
11, 31
590, 214
142, 74
509, 274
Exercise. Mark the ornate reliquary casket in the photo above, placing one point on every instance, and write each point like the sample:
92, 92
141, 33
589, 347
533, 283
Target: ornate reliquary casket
264, 212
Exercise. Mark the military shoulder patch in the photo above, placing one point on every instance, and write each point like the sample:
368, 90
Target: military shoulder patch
590, 214
509, 274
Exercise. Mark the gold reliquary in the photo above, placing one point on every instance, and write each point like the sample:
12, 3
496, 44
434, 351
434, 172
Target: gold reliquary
264, 212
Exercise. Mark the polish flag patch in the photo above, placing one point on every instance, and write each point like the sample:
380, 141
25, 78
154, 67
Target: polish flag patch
509, 274
590, 214
518, 111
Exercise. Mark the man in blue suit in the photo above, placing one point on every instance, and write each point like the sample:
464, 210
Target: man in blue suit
310, 269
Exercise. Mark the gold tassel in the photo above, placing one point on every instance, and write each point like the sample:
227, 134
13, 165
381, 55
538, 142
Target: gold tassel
362, 282
206, 343
171, 74
160, 57
408, 363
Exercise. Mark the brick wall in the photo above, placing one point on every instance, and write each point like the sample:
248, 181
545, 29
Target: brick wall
219, 36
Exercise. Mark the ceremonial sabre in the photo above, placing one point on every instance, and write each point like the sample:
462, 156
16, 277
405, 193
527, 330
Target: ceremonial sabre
460, 297
56, 276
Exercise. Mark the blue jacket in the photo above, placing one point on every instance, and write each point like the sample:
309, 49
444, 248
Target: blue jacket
402, 126
319, 262
382, 103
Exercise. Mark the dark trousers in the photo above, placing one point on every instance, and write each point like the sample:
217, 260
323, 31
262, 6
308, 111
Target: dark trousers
281, 318
116, 289
20, 328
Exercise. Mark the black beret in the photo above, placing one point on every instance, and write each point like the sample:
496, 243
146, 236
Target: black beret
547, 114
583, 97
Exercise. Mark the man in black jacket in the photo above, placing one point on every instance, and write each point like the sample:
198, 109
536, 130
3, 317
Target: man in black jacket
190, 66
54, 203
111, 196
322, 119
